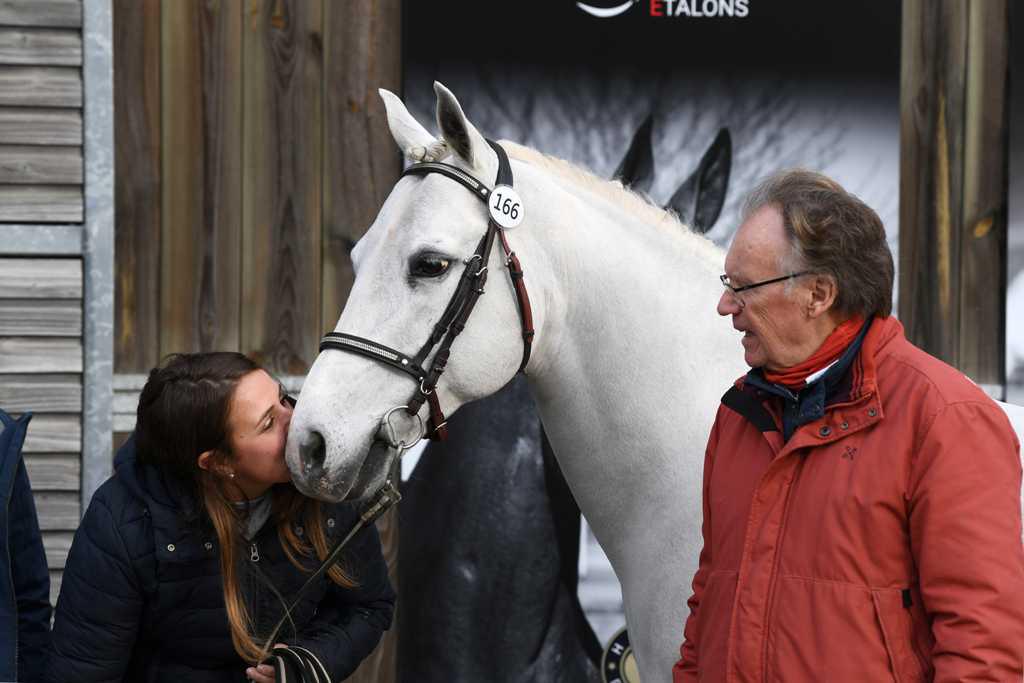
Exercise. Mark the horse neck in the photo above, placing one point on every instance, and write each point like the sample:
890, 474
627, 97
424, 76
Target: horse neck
630, 363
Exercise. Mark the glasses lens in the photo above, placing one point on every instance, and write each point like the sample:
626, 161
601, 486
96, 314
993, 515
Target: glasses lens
736, 296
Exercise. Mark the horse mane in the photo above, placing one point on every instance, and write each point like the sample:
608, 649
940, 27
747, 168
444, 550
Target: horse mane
636, 204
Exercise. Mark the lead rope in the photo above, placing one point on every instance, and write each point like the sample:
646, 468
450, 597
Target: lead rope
299, 665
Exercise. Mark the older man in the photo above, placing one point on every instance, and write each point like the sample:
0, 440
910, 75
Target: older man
861, 498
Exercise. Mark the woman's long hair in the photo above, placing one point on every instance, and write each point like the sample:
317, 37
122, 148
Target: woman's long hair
183, 412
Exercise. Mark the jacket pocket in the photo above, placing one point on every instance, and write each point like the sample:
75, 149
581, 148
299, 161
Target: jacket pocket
897, 620
825, 630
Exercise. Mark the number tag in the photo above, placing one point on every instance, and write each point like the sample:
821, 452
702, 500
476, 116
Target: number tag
505, 206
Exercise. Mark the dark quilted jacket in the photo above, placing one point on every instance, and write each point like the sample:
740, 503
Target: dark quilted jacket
142, 601
24, 579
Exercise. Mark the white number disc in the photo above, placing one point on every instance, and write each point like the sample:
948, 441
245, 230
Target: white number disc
505, 206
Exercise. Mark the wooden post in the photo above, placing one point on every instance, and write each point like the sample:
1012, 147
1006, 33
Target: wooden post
362, 52
953, 182
137, 184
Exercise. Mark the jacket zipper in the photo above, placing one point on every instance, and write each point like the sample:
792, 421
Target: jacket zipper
254, 553
775, 568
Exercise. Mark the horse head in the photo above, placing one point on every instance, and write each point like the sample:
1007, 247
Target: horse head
408, 266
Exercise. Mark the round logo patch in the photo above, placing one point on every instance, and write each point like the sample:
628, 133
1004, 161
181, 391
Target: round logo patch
618, 664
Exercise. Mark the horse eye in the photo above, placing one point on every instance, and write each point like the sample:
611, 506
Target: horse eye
429, 265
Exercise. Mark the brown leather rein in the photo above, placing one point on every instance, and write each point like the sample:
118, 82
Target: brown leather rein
456, 313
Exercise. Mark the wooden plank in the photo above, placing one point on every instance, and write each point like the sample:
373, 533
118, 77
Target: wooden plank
41, 203
54, 471
137, 184
200, 222
60, 13
282, 184
953, 181
58, 510
362, 52
54, 434
27, 126
38, 165
983, 233
52, 47
41, 393
40, 86
42, 318
40, 354
38, 278
57, 544
931, 150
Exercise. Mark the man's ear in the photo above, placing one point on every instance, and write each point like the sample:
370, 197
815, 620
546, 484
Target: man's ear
822, 294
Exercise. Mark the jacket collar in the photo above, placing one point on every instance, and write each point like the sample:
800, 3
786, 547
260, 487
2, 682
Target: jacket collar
851, 381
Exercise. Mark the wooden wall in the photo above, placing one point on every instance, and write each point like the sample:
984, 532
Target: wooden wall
41, 181
252, 150
954, 156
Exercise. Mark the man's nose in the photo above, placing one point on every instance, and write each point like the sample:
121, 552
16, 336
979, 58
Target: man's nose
727, 304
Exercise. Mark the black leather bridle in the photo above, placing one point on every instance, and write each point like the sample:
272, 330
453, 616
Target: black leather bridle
453, 319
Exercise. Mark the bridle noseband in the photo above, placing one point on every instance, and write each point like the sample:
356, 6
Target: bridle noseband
456, 313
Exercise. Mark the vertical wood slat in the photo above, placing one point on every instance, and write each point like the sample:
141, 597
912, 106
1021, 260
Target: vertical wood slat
362, 52
932, 78
953, 181
137, 184
986, 175
282, 183
201, 136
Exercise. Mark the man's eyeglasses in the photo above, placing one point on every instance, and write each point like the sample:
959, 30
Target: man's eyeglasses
735, 291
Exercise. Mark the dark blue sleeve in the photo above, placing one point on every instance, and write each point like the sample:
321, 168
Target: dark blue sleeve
31, 579
100, 605
350, 621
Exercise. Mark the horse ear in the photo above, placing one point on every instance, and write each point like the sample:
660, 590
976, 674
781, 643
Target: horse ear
412, 138
461, 136
699, 200
636, 171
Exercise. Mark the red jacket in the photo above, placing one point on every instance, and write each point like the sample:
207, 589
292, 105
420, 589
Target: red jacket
882, 542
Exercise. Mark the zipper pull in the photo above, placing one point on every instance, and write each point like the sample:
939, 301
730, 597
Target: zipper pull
254, 553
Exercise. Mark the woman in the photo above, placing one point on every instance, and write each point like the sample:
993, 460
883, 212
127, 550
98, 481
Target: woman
187, 555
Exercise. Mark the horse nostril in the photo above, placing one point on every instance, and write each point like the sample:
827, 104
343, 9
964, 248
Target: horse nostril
312, 451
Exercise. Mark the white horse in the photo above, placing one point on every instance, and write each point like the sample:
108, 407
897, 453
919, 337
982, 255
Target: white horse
629, 361
628, 364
